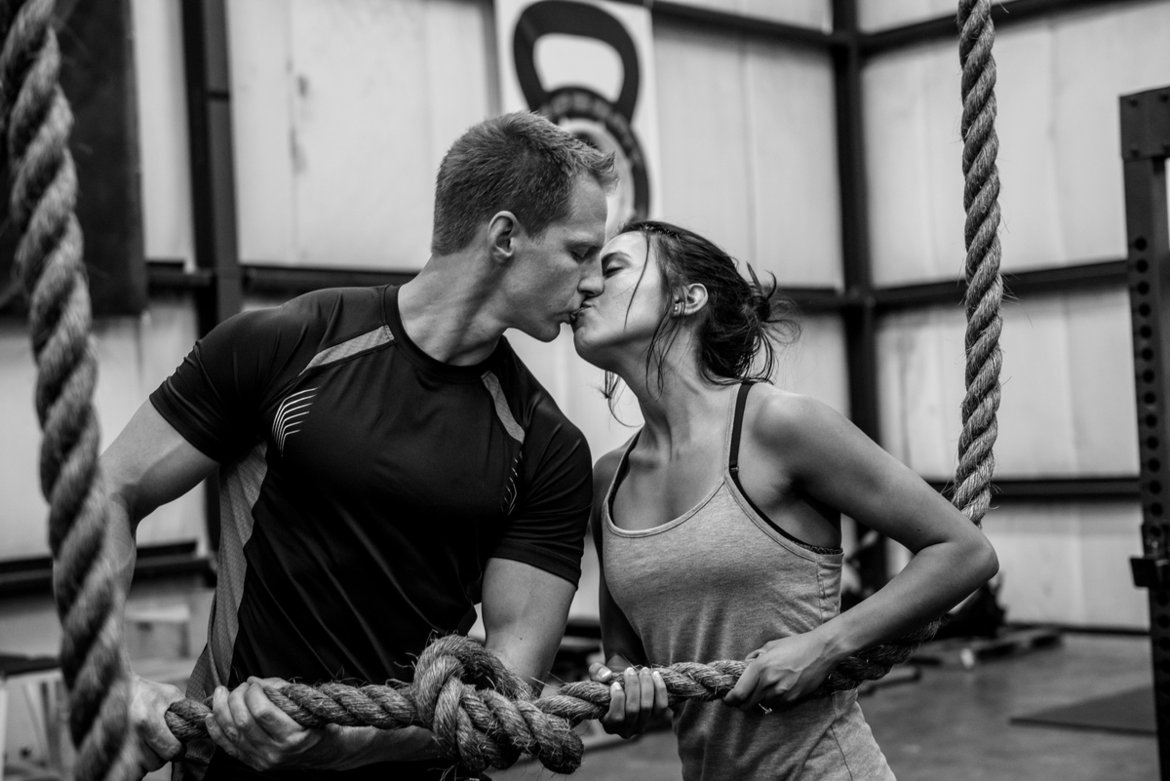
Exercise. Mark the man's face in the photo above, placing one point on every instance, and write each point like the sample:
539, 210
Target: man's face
554, 273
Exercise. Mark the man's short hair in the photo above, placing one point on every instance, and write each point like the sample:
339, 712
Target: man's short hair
518, 162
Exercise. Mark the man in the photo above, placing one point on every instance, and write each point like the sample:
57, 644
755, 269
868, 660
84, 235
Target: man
386, 461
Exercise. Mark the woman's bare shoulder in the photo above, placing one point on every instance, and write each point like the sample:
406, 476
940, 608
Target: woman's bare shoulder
606, 466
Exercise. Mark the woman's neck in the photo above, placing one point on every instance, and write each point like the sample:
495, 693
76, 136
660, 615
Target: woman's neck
680, 409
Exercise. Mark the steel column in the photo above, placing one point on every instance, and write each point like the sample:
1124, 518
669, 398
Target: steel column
1145, 145
213, 192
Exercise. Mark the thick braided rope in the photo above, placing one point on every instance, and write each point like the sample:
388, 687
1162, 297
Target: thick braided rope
37, 121
984, 285
481, 714
983, 297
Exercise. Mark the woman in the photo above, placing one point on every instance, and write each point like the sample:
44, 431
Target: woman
718, 523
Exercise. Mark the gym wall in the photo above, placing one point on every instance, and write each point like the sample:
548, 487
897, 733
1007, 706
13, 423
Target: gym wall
342, 109
1068, 394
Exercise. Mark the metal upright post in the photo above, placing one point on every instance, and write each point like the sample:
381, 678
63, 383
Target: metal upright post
859, 316
213, 191
1145, 145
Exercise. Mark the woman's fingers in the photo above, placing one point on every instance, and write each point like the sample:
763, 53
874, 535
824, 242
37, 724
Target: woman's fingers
742, 694
633, 695
661, 697
616, 715
600, 673
636, 698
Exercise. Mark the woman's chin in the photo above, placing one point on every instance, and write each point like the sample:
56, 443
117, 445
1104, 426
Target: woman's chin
585, 351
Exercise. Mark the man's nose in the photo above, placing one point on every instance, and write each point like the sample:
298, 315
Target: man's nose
592, 282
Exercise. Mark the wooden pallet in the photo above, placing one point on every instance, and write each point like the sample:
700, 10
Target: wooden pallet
967, 652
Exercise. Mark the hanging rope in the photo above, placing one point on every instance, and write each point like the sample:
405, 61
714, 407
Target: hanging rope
984, 284
36, 121
983, 297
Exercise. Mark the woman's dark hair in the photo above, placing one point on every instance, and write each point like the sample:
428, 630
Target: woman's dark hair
742, 323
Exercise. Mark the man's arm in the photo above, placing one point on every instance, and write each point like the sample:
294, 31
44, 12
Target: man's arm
148, 464
524, 614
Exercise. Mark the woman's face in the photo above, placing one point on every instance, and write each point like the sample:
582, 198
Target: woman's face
622, 320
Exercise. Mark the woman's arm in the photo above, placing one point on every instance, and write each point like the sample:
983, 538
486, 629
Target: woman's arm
619, 641
641, 697
832, 462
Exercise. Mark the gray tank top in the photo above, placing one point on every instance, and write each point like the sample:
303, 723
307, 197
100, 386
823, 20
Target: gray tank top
717, 583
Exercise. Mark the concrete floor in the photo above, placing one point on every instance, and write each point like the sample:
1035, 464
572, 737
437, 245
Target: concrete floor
954, 724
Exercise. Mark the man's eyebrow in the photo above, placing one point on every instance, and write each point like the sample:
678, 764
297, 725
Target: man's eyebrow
584, 242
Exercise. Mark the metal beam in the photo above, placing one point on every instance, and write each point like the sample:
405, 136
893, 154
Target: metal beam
286, 280
1092, 275
165, 561
213, 190
860, 326
1004, 15
1145, 145
858, 318
742, 24
213, 193
1054, 489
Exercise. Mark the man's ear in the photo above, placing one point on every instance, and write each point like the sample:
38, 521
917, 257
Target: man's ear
503, 229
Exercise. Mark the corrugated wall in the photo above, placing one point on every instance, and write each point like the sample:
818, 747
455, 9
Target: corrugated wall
342, 109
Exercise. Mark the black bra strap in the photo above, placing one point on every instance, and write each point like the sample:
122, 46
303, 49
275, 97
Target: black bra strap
736, 426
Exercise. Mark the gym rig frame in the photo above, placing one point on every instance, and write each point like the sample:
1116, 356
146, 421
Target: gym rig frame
1145, 145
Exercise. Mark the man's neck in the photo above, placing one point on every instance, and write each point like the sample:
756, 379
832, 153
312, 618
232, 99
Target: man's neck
446, 311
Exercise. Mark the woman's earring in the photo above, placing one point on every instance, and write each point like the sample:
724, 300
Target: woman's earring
678, 308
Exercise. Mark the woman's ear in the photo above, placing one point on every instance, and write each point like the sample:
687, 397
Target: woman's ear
690, 300
503, 228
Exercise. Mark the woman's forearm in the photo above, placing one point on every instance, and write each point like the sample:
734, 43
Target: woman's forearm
937, 578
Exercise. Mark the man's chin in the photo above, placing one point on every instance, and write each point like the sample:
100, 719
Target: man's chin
547, 334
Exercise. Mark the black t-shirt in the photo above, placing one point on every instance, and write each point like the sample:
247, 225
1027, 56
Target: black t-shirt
364, 486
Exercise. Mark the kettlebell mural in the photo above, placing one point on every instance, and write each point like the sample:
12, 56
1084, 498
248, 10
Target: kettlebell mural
562, 58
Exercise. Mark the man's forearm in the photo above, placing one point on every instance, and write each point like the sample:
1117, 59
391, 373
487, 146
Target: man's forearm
123, 548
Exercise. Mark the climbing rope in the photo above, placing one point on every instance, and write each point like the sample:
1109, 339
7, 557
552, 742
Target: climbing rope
984, 284
36, 123
481, 714
983, 296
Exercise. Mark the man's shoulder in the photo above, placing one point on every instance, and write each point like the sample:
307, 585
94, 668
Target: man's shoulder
354, 303
323, 318
538, 410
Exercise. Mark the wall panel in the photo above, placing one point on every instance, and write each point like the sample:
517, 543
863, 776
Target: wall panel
162, 130
1059, 156
803, 13
747, 150
816, 365
1067, 407
341, 113
134, 355
1069, 563
873, 16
